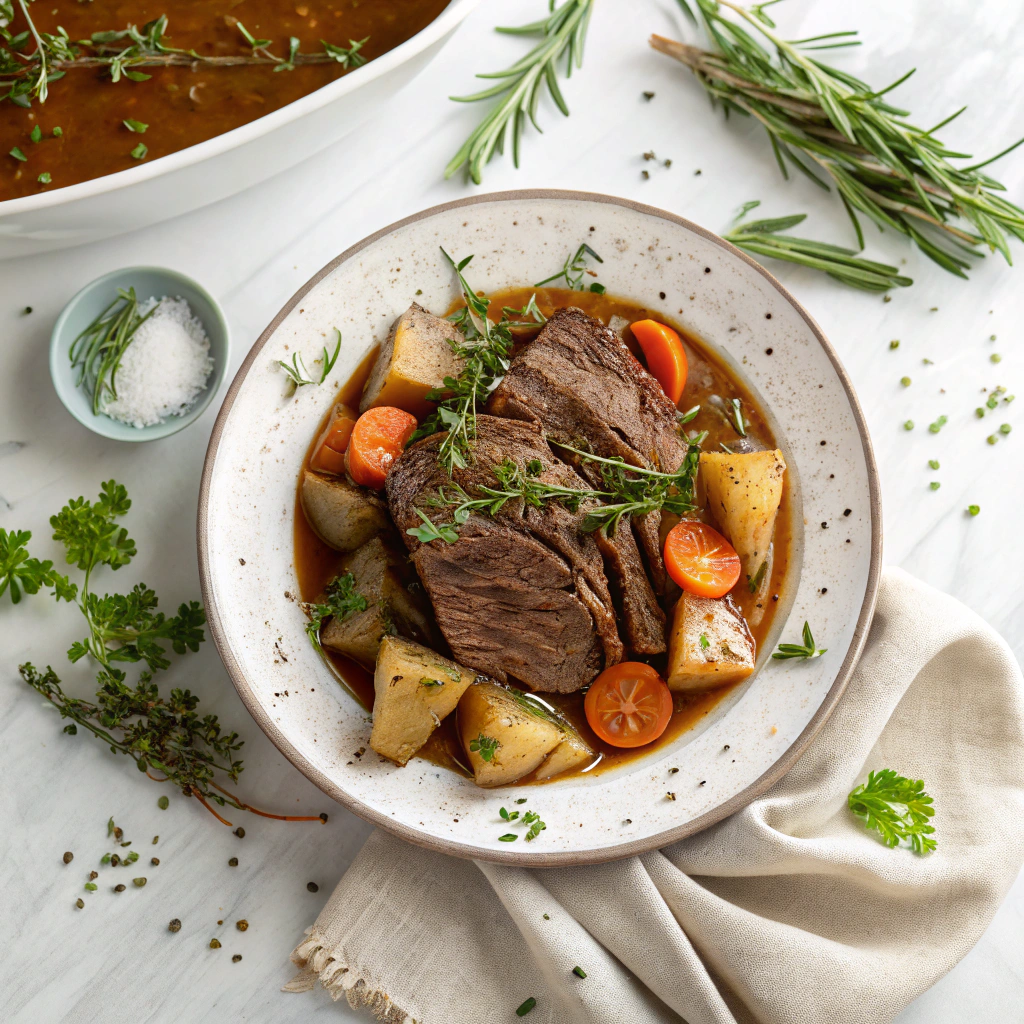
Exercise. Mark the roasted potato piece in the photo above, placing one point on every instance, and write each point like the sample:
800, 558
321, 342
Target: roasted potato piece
570, 753
710, 644
415, 358
343, 515
392, 609
744, 492
414, 688
503, 738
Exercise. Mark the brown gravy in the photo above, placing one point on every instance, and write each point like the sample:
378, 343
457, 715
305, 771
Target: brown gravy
316, 564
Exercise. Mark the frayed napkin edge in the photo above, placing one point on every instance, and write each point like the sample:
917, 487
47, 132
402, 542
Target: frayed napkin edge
318, 963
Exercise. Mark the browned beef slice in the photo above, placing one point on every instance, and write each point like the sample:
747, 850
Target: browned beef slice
522, 594
641, 614
580, 384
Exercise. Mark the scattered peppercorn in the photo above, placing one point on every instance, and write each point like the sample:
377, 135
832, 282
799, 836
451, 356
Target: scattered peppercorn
908, 425
154, 861
905, 381
312, 887
648, 96
240, 832
214, 943
93, 875
79, 903
895, 343
119, 887
156, 839
163, 803
323, 817
68, 857
115, 860
670, 796
233, 863
995, 358
1005, 428
547, 917
973, 509
236, 958
174, 926
138, 882
242, 925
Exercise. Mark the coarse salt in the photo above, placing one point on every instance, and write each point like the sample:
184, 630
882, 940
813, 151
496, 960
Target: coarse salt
164, 368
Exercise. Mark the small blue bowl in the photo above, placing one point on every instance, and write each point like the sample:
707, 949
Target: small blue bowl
148, 282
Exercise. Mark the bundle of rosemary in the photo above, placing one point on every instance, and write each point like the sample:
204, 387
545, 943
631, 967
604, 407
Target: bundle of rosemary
842, 134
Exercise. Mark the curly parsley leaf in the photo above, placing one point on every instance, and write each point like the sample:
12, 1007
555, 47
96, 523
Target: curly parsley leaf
19, 572
897, 808
342, 601
88, 531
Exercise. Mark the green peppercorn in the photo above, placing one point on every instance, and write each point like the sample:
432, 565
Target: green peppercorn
214, 943
973, 509
138, 882
908, 425
79, 903
905, 381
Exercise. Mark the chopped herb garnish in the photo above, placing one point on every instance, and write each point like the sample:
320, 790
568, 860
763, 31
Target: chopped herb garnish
507, 815
508, 837
91, 886
934, 485
579, 972
36, 135
537, 826
685, 417
938, 424
1005, 428
18, 155
897, 808
973, 509
737, 417
522, 800
342, 601
526, 1007
895, 343
431, 683
908, 425
44, 178
134, 126
58, 131
754, 583
485, 746
163, 803
995, 358
905, 381
297, 373
933, 463
140, 151
806, 650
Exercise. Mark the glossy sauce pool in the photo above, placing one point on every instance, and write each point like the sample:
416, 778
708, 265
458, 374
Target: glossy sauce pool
316, 564
181, 105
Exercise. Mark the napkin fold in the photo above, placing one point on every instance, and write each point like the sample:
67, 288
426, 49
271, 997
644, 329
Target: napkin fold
788, 911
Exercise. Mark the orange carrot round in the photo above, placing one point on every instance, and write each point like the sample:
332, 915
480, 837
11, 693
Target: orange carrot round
666, 358
377, 440
700, 559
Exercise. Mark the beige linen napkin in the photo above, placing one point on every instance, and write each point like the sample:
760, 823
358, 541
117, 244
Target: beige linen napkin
789, 911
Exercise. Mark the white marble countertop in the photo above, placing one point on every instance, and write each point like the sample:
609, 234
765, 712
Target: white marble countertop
115, 961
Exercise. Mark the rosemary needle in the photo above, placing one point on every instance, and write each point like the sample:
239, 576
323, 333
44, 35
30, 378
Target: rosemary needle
563, 31
843, 134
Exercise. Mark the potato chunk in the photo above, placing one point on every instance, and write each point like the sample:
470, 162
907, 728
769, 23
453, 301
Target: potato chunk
572, 752
710, 644
744, 492
343, 515
414, 688
503, 738
391, 608
415, 357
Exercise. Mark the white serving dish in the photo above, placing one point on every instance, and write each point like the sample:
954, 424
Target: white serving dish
221, 166
247, 505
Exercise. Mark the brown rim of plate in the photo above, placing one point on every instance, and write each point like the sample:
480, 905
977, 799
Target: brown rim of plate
565, 858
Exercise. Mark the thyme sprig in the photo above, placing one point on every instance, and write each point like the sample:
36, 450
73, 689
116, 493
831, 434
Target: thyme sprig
766, 238
342, 601
897, 808
628, 491
25, 77
161, 734
562, 32
807, 650
573, 271
296, 370
842, 134
485, 350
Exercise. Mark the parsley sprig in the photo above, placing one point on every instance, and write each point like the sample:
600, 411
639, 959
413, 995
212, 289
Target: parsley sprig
805, 650
342, 602
897, 808
162, 734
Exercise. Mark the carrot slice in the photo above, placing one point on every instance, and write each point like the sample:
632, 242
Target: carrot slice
329, 453
700, 559
628, 705
377, 440
666, 358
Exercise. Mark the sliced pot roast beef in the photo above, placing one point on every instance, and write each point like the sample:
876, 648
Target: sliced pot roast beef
519, 595
581, 386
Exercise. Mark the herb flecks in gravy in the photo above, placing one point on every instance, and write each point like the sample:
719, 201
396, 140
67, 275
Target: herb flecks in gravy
707, 407
81, 127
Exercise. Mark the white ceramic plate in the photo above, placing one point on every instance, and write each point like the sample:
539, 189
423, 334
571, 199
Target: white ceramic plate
247, 505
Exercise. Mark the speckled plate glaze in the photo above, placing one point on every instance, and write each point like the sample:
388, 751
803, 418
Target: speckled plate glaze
247, 505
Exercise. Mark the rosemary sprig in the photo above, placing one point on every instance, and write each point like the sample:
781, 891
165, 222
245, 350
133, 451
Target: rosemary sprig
842, 134
805, 650
24, 77
97, 352
765, 238
296, 370
629, 491
573, 270
160, 734
563, 31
